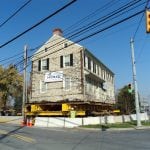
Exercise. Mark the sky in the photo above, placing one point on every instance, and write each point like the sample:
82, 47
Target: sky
111, 46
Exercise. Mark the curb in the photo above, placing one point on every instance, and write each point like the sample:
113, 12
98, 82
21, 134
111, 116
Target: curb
115, 129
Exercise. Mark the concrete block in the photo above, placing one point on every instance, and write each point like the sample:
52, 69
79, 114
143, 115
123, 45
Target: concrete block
126, 118
73, 122
56, 122
110, 119
144, 117
118, 119
41, 122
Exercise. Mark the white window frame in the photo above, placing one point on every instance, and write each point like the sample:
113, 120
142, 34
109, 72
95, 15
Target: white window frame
42, 61
41, 90
64, 61
64, 83
86, 62
91, 65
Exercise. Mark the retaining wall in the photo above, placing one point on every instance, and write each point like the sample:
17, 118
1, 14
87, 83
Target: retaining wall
75, 122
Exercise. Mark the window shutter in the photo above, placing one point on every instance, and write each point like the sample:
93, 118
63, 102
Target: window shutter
47, 63
39, 65
89, 63
61, 61
71, 59
84, 60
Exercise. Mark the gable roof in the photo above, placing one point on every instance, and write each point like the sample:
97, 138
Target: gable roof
48, 44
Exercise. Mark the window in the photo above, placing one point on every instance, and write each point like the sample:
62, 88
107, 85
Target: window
67, 83
43, 87
97, 70
65, 45
43, 64
85, 61
94, 67
46, 49
66, 60
39, 65
89, 63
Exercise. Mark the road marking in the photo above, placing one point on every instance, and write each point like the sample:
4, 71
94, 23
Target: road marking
18, 136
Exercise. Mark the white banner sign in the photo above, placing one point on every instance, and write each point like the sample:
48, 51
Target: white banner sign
53, 76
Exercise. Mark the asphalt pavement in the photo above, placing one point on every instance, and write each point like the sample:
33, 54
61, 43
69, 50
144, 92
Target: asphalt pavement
15, 137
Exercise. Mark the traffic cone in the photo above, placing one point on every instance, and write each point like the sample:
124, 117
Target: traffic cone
30, 123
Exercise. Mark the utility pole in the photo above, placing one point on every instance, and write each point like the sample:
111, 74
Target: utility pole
24, 83
135, 84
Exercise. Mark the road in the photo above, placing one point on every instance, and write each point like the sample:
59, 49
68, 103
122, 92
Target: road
14, 137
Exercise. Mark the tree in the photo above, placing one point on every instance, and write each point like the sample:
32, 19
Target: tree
125, 101
10, 86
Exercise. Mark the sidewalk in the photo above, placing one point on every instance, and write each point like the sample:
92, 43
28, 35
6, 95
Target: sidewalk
10, 119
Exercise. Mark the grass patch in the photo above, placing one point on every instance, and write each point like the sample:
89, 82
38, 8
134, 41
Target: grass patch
147, 123
117, 125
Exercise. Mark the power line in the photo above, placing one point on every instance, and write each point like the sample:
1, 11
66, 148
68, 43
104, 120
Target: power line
138, 26
86, 25
142, 49
112, 25
140, 21
91, 25
16, 12
99, 31
37, 24
104, 18
107, 18
31, 56
104, 7
6, 59
11, 61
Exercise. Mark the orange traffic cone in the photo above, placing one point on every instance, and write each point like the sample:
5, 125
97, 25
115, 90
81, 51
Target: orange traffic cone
30, 123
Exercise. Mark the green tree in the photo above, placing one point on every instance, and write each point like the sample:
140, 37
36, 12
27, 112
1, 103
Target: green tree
10, 85
125, 101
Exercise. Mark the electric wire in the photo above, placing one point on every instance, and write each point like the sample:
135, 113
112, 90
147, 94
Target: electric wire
93, 23
142, 49
110, 26
11, 57
37, 24
109, 4
134, 35
138, 26
15, 13
11, 61
128, 4
81, 21
96, 12
99, 31
106, 28
104, 19
102, 30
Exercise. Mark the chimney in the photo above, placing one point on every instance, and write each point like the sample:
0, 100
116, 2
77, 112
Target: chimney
57, 31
